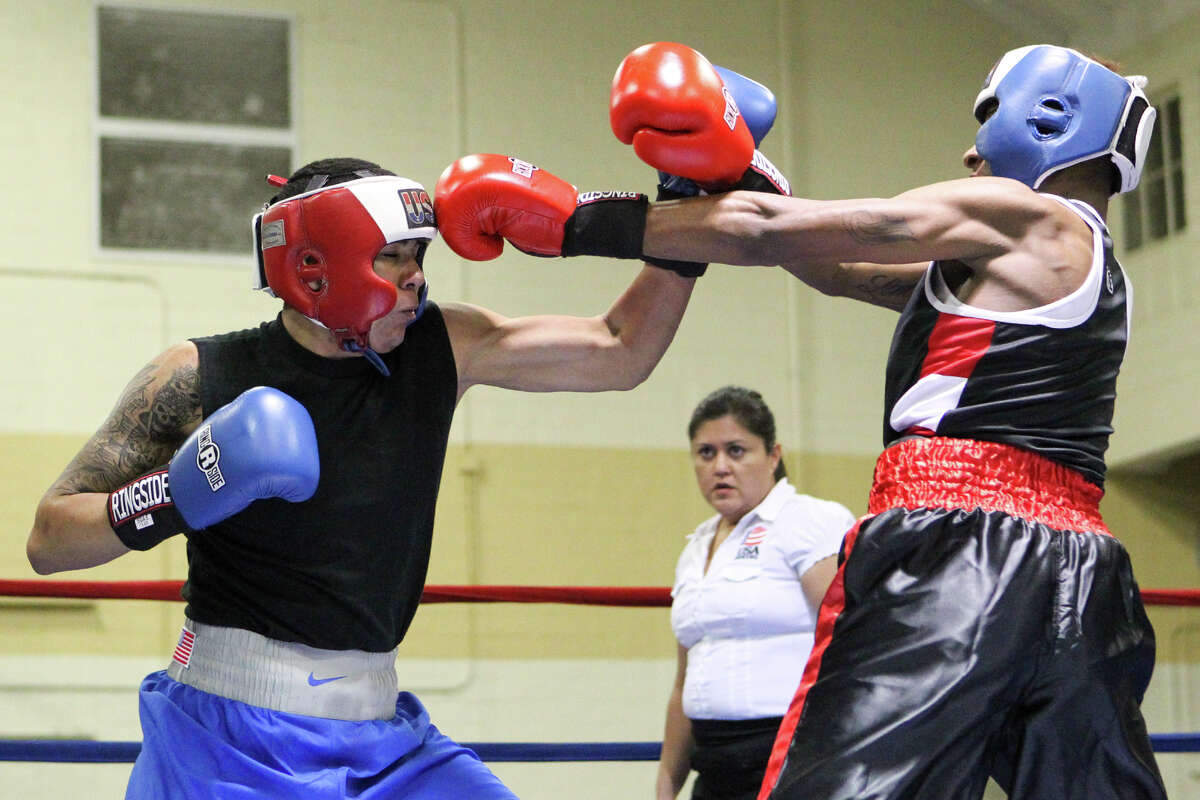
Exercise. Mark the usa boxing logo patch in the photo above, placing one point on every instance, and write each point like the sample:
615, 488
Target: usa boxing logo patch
750, 543
418, 208
208, 458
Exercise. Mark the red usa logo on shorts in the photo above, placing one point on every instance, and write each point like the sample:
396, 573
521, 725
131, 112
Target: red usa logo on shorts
183, 650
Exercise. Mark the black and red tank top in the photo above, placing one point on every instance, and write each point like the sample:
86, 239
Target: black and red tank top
1042, 379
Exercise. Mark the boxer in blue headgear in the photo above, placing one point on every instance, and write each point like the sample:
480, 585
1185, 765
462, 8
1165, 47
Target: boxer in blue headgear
1045, 108
983, 622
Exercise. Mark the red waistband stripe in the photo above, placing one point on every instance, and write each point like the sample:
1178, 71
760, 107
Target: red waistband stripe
941, 472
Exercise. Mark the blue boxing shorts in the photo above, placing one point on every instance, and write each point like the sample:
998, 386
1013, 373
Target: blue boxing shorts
200, 746
982, 623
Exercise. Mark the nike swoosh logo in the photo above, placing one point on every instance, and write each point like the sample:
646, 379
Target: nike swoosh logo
314, 681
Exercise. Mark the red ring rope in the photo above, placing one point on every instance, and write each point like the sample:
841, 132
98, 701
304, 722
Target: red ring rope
633, 596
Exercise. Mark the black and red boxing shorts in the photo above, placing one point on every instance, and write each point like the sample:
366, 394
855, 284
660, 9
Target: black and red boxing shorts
981, 622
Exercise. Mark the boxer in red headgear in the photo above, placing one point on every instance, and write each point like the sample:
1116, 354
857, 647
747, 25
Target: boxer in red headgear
316, 250
302, 460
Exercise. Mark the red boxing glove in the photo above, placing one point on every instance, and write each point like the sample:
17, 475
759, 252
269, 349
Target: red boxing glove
481, 200
670, 103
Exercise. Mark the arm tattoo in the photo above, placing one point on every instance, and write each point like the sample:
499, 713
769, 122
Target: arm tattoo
148, 424
885, 286
870, 228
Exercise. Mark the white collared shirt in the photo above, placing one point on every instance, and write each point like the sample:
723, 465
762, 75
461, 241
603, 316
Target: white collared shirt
746, 623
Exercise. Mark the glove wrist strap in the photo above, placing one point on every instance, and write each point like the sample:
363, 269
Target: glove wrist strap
763, 176
613, 224
608, 224
142, 513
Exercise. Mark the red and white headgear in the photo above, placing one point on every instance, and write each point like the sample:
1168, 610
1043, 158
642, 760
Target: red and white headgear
316, 250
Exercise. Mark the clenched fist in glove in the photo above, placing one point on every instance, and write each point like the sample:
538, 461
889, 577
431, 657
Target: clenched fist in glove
260, 445
672, 105
483, 200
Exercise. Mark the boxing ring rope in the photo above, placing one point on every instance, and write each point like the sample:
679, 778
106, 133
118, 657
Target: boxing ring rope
634, 596
87, 752
76, 751
629, 596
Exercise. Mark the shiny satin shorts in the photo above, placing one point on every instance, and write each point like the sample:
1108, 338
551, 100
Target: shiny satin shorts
201, 746
958, 644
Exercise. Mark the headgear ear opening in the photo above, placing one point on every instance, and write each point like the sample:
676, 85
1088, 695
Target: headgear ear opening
343, 226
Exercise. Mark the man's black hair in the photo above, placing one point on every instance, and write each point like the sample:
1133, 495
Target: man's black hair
326, 172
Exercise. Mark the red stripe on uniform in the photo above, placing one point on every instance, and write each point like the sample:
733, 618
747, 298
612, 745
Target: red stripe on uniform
831, 609
956, 344
183, 650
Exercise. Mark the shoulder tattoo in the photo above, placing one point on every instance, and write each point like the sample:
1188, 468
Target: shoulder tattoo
151, 419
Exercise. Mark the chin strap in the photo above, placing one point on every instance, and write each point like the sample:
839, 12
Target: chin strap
368, 354
352, 346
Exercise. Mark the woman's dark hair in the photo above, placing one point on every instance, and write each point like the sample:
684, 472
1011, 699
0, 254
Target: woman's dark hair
747, 407
327, 172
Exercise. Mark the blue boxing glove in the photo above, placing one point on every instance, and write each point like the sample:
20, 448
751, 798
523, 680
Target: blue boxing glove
260, 445
755, 101
758, 107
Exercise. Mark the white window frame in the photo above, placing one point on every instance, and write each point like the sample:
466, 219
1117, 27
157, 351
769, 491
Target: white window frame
172, 131
1170, 173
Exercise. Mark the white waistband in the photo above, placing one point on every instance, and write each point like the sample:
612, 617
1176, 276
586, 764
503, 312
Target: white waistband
285, 676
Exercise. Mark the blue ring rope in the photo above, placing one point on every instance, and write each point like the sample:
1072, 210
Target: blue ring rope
85, 751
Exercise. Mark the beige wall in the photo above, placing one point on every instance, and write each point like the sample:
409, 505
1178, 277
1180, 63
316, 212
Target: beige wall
1156, 418
556, 488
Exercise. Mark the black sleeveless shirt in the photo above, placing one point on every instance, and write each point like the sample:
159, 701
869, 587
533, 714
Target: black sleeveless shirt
1043, 379
345, 569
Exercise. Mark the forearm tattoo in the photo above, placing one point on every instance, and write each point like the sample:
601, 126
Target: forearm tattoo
144, 429
872, 228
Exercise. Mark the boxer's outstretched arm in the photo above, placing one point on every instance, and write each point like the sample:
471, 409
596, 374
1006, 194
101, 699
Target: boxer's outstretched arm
158, 408
616, 350
962, 219
484, 200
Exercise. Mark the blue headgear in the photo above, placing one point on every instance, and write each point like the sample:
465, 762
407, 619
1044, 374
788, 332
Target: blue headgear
1055, 107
